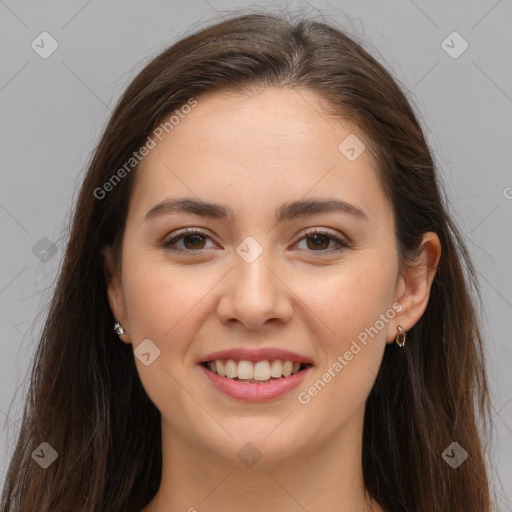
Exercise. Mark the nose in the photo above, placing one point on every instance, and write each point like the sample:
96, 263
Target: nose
255, 294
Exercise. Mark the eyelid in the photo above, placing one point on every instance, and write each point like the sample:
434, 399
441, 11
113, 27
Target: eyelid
341, 240
192, 230
323, 231
180, 233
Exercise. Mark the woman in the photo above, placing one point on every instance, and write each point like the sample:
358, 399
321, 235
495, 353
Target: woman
264, 304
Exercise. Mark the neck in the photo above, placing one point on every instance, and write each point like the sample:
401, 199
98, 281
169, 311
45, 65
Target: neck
327, 476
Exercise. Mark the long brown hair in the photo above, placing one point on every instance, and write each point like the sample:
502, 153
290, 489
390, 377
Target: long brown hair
85, 397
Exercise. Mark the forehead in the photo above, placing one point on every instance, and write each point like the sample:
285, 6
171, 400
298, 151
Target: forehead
255, 151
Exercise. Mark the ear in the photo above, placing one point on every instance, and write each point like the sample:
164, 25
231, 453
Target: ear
115, 292
413, 289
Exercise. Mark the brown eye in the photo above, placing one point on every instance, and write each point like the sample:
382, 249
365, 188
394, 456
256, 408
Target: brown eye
318, 241
191, 240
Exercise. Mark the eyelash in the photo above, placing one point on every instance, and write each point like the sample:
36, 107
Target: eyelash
307, 234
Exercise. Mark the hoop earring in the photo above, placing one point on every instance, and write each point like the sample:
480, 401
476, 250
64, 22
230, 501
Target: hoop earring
400, 337
119, 329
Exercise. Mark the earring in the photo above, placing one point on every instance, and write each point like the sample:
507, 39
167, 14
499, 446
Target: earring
400, 337
119, 330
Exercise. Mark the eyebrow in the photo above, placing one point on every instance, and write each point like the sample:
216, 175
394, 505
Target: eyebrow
287, 211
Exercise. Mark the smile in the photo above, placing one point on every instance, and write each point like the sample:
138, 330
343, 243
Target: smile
255, 380
254, 372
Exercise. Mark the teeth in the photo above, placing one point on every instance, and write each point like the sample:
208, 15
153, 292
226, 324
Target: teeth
277, 369
249, 371
221, 370
261, 370
287, 368
245, 370
231, 369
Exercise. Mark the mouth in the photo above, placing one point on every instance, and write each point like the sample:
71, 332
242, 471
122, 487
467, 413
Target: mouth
255, 375
255, 381
255, 372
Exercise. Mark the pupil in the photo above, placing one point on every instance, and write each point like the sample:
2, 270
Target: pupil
317, 240
196, 239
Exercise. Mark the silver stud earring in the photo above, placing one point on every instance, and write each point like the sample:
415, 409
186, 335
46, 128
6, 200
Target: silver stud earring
119, 330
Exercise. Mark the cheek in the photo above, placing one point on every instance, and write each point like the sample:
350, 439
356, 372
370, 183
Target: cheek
351, 348
353, 308
161, 298
164, 304
350, 298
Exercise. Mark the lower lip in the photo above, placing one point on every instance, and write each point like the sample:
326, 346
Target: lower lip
254, 392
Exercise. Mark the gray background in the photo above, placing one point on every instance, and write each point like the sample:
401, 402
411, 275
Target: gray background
53, 111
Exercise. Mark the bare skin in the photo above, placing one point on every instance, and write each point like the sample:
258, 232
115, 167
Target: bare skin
252, 154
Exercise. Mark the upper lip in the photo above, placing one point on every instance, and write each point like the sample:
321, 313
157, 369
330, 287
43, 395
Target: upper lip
254, 355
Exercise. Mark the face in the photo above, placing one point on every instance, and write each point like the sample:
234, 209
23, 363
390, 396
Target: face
257, 279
